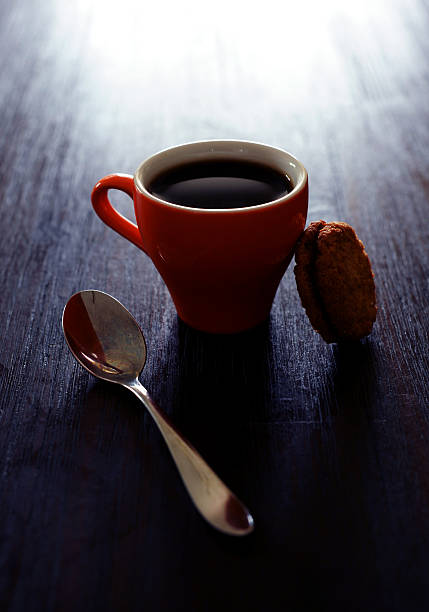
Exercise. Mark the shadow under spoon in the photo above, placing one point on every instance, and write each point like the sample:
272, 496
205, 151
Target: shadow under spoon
106, 340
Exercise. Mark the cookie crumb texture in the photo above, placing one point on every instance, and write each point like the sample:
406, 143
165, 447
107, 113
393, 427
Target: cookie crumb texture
335, 281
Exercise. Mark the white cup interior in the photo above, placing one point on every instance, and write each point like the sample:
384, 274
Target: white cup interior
280, 160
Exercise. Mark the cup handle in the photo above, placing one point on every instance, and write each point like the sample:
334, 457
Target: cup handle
111, 217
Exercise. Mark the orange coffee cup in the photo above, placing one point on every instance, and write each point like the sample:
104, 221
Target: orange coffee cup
222, 266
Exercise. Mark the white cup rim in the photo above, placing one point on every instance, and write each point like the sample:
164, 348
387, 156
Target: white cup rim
191, 151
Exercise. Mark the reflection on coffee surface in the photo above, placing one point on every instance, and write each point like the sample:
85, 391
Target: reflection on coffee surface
220, 184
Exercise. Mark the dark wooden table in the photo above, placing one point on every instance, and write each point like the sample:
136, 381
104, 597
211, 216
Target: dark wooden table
327, 445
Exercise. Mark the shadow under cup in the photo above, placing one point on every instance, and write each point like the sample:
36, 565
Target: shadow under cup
222, 266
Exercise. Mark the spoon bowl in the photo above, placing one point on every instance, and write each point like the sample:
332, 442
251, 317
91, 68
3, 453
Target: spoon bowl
104, 337
106, 340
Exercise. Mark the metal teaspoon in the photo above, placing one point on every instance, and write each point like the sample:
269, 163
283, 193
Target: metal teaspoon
106, 340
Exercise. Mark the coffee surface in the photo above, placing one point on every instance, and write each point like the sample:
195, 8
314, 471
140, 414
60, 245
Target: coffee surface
220, 184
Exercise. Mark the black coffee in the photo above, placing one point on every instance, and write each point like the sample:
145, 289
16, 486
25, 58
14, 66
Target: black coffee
220, 184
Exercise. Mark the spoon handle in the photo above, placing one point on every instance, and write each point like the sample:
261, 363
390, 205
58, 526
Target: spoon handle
217, 504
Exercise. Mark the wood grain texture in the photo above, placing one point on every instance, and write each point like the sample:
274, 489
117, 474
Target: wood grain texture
327, 445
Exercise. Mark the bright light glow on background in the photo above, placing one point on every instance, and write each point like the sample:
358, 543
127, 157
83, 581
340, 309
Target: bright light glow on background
291, 49
124, 31
189, 69
273, 34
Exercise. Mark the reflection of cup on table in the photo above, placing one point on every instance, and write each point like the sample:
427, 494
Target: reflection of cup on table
220, 220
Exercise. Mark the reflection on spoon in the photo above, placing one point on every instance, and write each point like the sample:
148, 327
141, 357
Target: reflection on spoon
107, 341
